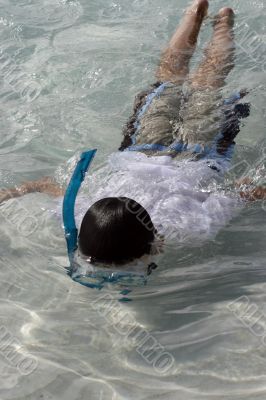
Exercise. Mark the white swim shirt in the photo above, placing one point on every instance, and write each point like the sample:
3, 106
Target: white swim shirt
175, 193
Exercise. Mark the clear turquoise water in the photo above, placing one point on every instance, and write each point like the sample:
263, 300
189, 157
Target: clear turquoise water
90, 59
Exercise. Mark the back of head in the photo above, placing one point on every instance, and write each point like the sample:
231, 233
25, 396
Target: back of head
116, 230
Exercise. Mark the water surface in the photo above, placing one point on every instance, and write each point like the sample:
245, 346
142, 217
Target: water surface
89, 59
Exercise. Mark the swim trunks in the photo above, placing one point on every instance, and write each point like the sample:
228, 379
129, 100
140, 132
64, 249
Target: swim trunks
170, 120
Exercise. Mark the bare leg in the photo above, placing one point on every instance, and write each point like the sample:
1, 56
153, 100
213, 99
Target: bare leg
219, 55
174, 64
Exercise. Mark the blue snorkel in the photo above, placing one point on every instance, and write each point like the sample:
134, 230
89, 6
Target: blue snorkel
71, 232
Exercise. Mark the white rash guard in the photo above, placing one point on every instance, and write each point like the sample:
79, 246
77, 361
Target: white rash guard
175, 193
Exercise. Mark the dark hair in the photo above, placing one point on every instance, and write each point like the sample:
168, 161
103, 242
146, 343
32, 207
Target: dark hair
116, 230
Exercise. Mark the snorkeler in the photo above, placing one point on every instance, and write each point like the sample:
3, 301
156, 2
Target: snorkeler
178, 141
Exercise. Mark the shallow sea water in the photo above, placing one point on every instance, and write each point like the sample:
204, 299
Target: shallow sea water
203, 312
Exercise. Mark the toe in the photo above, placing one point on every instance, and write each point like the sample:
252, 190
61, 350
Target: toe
203, 6
199, 7
226, 12
225, 16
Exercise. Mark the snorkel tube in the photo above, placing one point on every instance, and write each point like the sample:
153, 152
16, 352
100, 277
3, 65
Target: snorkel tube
71, 231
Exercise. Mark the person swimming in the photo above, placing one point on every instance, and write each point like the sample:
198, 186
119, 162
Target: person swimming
179, 139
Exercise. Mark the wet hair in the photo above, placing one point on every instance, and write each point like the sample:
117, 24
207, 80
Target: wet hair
116, 230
